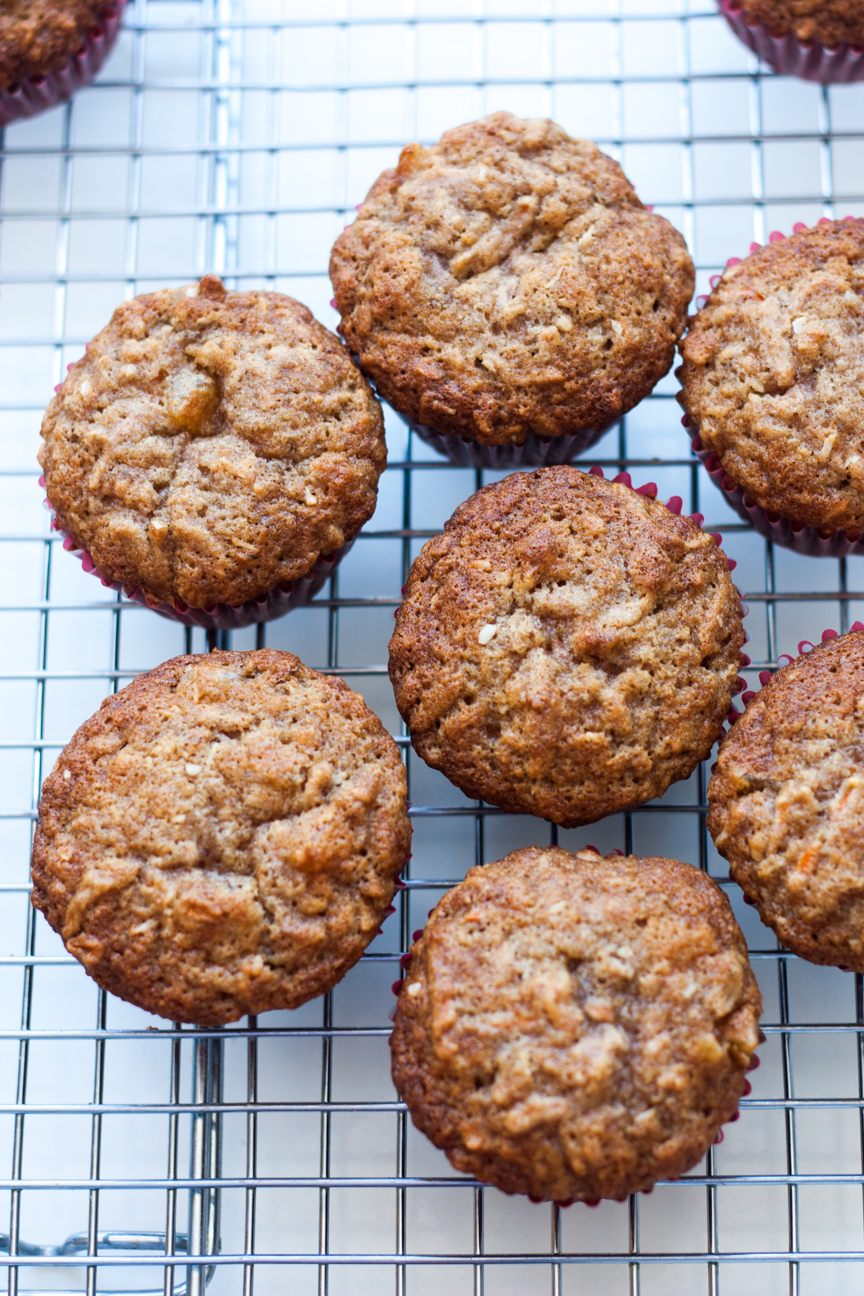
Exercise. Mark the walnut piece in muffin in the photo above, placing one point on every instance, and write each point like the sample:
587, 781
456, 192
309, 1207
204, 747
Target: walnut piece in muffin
773, 373
787, 803
212, 445
223, 836
508, 281
567, 648
576, 1027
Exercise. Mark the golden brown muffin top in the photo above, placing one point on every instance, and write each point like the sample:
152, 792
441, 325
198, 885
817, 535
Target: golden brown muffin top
211, 445
223, 836
829, 23
787, 803
40, 36
567, 647
508, 281
572, 1026
773, 374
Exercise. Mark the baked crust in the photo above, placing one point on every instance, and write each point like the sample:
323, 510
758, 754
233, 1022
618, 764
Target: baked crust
567, 648
829, 23
773, 374
40, 36
576, 1027
787, 803
222, 837
508, 281
211, 447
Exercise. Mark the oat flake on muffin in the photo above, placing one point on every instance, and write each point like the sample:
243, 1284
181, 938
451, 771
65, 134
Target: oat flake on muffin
223, 837
787, 803
567, 648
211, 445
576, 1027
507, 281
773, 373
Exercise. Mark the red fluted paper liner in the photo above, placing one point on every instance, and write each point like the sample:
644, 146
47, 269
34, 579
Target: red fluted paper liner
221, 616
784, 660
813, 541
810, 60
535, 451
803, 539
36, 94
805, 646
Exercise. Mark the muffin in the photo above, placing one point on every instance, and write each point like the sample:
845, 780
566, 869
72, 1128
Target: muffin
223, 837
771, 380
211, 447
786, 803
49, 50
507, 283
804, 38
567, 648
576, 1027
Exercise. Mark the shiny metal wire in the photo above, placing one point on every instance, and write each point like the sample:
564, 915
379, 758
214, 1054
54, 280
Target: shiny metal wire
365, 1206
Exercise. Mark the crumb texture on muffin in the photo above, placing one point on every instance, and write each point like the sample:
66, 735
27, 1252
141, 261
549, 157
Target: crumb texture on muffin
567, 648
576, 1027
40, 36
773, 374
212, 445
787, 803
830, 24
223, 836
508, 281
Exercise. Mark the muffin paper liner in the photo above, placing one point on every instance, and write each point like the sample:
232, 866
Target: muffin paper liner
784, 659
816, 542
535, 452
804, 540
805, 646
36, 94
222, 616
810, 60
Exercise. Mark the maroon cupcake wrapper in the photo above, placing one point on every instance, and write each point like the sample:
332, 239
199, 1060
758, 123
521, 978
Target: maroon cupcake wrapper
765, 676
804, 647
535, 451
810, 60
36, 94
803, 539
814, 541
221, 616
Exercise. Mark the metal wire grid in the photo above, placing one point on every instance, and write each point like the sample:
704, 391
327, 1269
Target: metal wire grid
784, 1195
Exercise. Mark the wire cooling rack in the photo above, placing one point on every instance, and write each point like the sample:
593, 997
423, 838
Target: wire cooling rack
236, 136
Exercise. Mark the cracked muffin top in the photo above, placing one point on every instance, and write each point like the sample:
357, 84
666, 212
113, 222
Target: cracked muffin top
212, 445
223, 837
810, 20
567, 648
576, 1027
508, 281
773, 373
39, 36
787, 803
